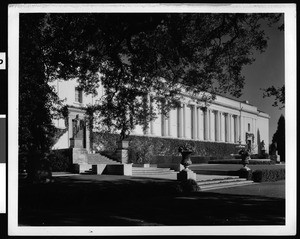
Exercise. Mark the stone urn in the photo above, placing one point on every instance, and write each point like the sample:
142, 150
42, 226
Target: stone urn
186, 158
245, 154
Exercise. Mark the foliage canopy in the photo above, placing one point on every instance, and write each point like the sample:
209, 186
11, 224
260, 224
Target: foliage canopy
135, 54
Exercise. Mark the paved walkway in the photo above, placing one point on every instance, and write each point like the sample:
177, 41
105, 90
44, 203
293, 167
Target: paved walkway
200, 177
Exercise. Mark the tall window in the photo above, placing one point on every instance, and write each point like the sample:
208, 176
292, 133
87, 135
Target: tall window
248, 127
78, 95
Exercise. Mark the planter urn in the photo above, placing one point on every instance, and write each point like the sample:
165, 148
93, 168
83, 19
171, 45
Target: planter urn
245, 159
186, 158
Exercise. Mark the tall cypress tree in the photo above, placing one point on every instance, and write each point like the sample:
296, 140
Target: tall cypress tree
279, 138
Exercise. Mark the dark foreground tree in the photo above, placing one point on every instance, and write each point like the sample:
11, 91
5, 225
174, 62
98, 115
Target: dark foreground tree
163, 53
279, 138
36, 101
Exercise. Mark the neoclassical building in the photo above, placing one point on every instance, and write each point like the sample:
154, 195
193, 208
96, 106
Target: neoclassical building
225, 120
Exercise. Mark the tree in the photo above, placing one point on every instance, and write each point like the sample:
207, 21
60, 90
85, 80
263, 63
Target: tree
163, 53
36, 100
278, 93
279, 138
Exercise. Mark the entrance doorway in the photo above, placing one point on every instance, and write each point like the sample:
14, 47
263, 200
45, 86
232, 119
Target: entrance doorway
79, 132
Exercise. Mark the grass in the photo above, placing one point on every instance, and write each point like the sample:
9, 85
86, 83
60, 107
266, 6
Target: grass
90, 200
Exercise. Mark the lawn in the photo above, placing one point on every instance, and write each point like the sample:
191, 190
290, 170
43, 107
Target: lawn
95, 200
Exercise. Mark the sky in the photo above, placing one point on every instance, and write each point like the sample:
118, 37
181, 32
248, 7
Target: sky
267, 70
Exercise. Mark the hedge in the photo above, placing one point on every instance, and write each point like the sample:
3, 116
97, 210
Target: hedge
163, 146
266, 175
238, 161
60, 160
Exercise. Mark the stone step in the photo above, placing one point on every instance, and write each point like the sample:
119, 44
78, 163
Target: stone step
217, 181
151, 171
225, 184
215, 172
153, 174
100, 159
88, 172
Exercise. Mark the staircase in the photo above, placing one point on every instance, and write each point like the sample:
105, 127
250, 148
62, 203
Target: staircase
205, 181
93, 159
152, 172
88, 171
100, 159
227, 182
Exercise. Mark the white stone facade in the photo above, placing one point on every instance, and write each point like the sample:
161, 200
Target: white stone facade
225, 120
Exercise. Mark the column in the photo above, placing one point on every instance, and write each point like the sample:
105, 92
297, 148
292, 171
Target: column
217, 126
239, 129
163, 125
184, 121
206, 120
221, 128
180, 122
229, 128
87, 138
233, 129
166, 126
210, 124
151, 127
198, 123
194, 135
70, 127
226, 127
236, 128
169, 123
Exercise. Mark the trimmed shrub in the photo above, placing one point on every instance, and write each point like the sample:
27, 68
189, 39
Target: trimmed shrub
266, 175
35, 167
166, 146
189, 186
260, 156
60, 160
140, 151
105, 141
247, 174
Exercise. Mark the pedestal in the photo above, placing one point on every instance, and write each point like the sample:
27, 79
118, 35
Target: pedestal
76, 143
185, 175
245, 168
122, 155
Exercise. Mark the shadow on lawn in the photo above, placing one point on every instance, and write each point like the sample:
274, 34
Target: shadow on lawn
85, 201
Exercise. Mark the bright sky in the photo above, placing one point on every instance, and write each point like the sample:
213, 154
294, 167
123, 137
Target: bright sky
267, 70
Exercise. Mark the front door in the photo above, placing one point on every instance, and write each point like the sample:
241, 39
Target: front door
79, 133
